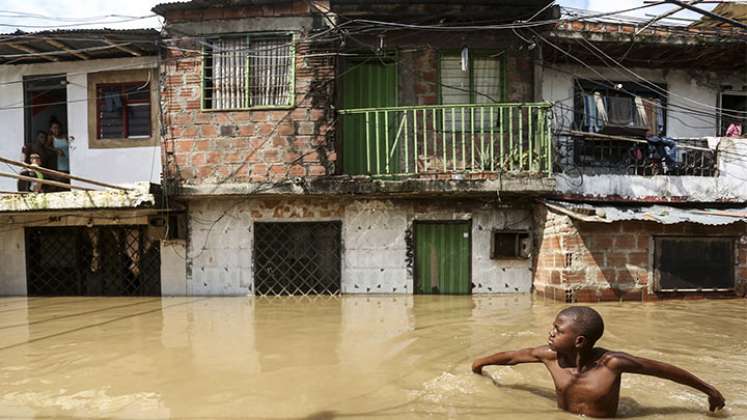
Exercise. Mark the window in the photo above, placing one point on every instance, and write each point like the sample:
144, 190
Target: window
123, 111
626, 109
470, 78
510, 244
694, 264
250, 71
734, 111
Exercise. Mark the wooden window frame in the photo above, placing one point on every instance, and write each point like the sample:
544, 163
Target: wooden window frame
473, 54
123, 77
249, 37
125, 107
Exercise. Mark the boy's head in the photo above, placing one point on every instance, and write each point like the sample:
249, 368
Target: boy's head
35, 159
41, 136
576, 328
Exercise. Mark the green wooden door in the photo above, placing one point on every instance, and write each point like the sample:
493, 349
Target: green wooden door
369, 82
442, 258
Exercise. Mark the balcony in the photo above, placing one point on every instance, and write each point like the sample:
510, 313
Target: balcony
447, 140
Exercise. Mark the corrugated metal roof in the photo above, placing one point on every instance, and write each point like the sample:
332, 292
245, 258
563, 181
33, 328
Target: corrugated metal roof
667, 215
77, 44
162, 8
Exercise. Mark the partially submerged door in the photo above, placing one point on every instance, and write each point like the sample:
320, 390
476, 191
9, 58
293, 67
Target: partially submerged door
442, 258
369, 82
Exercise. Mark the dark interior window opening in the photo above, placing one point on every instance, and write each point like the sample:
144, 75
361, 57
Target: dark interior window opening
690, 264
96, 261
123, 111
510, 244
297, 258
45, 100
734, 110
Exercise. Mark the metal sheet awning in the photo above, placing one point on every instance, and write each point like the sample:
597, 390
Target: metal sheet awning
667, 215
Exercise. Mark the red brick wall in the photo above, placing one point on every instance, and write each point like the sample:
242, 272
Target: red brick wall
588, 262
216, 147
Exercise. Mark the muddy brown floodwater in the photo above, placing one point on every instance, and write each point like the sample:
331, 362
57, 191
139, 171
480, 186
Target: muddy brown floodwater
330, 358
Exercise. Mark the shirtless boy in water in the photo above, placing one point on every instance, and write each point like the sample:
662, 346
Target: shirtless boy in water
587, 379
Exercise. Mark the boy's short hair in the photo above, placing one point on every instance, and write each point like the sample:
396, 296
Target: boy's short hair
34, 156
587, 322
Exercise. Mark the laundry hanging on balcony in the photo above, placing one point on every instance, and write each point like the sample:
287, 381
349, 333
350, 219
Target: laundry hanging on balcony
631, 115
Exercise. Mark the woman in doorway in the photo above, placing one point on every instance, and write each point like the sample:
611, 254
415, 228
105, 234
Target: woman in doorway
61, 144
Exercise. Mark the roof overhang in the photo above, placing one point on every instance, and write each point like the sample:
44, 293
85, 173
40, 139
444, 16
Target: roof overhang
75, 45
666, 215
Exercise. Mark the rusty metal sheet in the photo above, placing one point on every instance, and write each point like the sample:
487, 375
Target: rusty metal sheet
666, 215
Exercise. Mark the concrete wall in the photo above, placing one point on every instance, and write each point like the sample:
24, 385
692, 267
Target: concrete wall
375, 257
12, 261
118, 165
173, 268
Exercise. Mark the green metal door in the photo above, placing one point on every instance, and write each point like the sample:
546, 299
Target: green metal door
442, 258
369, 82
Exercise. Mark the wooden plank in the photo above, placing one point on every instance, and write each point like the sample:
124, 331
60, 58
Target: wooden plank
123, 47
63, 47
43, 181
61, 174
29, 50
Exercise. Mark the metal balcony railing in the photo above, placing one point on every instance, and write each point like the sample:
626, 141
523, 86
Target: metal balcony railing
413, 140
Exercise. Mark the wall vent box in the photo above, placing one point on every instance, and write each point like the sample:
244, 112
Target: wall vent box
510, 244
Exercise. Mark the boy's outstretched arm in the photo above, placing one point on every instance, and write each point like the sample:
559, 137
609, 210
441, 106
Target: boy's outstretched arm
623, 363
509, 358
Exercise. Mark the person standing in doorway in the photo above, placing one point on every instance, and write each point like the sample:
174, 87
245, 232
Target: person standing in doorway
61, 144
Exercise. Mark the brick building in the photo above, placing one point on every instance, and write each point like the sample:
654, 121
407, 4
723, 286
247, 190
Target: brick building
319, 151
649, 202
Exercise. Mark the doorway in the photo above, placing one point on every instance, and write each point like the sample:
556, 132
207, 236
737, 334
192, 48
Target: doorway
369, 82
45, 101
443, 254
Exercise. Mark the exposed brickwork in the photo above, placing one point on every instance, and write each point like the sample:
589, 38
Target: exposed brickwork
591, 262
211, 147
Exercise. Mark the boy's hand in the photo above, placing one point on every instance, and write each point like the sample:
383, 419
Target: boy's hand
477, 367
715, 400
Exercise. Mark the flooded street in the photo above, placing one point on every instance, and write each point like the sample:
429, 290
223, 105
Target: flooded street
352, 357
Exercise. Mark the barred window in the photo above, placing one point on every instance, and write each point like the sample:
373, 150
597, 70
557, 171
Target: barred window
248, 71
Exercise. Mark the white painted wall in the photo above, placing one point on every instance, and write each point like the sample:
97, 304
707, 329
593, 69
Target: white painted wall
173, 268
12, 261
119, 166
374, 232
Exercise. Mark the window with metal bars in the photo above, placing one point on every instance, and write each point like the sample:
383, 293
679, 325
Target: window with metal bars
297, 258
123, 111
96, 261
248, 71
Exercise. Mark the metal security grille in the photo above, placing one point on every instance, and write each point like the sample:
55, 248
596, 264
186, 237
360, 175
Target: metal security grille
297, 258
97, 261
688, 264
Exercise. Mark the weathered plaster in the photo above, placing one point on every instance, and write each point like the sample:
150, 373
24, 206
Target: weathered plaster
139, 196
375, 255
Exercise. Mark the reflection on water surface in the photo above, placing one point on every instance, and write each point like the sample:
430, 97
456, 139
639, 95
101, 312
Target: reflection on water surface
330, 358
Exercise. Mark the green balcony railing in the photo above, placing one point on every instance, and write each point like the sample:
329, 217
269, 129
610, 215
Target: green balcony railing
447, 139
